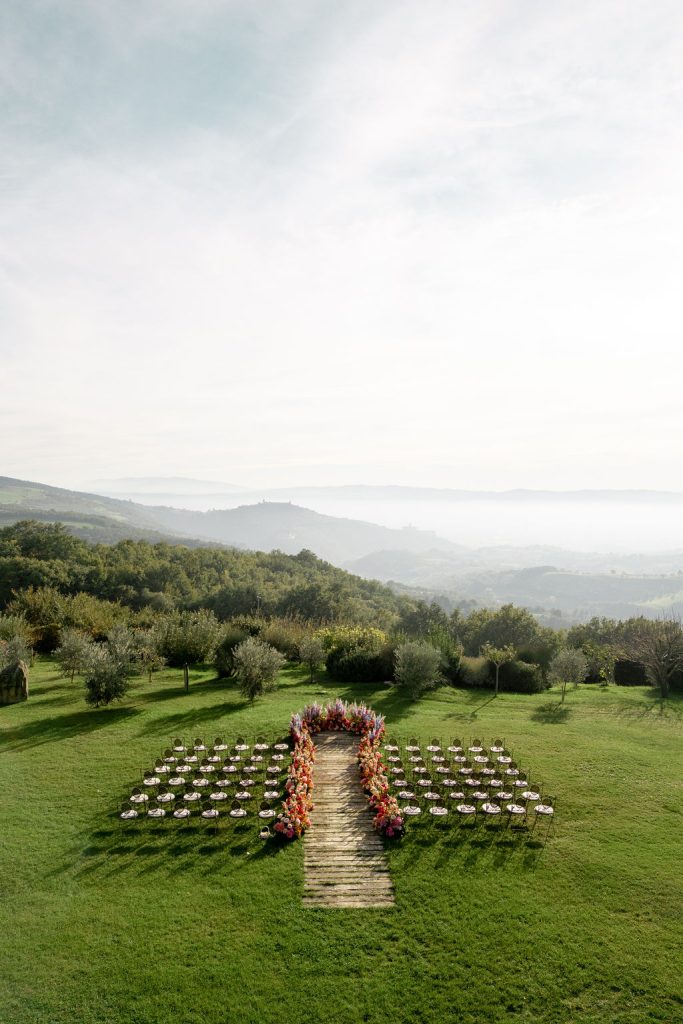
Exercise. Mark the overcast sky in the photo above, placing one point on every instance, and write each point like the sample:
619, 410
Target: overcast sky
277, 242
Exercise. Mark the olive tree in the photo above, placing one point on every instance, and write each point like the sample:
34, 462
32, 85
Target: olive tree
312, 652
108, 667
72, 653
14, 650
417, 666
256, 666
147, 646
568, 666
498, 656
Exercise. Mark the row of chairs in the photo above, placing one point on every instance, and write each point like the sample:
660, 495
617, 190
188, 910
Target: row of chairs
469, 781
210, 809
211, 780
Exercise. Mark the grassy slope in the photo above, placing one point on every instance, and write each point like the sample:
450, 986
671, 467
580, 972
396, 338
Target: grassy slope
103, 924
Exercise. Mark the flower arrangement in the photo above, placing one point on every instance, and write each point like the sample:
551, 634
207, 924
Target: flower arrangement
294, 818
388, 819
337, 716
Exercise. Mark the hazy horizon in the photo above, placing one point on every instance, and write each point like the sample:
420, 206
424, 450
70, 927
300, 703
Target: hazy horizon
603, 523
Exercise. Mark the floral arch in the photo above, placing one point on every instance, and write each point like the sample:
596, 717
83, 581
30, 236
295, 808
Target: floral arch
338, 716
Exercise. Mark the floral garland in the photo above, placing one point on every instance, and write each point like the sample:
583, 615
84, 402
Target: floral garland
341, 717
295, 818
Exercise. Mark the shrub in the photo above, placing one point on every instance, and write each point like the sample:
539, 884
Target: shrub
417, 666
629, 673
285, 635
451, 649
14, 650
256, 666
224, 659
352, 638
474, 672
12, 626
521, 677
249, 624
361, 666
537, 654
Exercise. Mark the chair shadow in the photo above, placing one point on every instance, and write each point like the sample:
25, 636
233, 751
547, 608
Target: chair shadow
551, 713
114, 848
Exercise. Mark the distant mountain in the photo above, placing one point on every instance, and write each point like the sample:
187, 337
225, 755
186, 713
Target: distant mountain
576, 584
449, 494
262, 527
289, 528
576, 593
89, 516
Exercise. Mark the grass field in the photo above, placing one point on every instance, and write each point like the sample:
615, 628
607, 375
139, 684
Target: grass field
103, 923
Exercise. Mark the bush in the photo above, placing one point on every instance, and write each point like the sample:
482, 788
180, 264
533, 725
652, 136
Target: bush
521, 677
256, 666
417, 667
537, 654
450, 648
352, 638
285, 635
474, 672
14, 650
361, 666
12, 626
224, 659
515, 676
630, 673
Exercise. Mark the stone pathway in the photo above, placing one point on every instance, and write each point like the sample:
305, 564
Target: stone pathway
344, 860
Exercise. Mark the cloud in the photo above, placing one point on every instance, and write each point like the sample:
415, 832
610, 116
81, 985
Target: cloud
391, 236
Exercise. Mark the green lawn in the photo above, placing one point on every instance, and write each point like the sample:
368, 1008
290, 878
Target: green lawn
103, 923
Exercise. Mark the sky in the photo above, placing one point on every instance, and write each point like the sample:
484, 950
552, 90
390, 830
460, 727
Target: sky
284, 243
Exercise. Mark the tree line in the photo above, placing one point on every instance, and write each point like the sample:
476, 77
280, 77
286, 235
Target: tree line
109, 611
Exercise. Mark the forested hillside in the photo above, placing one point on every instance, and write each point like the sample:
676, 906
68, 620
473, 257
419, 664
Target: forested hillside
164, 576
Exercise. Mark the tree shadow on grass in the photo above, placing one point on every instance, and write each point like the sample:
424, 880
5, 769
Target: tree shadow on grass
63, 727
151, 693
180, 721
551, 713
652, 706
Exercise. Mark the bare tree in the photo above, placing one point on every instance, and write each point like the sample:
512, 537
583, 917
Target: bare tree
658, 646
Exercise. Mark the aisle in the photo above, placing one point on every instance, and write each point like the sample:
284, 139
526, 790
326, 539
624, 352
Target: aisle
344, 860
